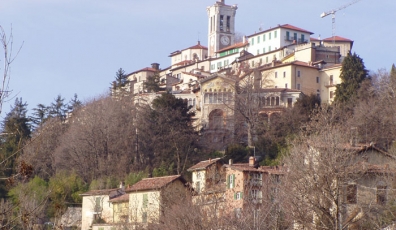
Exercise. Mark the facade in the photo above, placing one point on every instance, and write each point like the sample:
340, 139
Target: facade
148, 197
96, 207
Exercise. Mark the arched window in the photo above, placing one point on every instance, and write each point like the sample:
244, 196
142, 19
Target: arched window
206, 98
277, 100
272, 101
214, 97
268, 101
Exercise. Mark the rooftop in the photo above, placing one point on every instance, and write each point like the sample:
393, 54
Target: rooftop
203, 164
154, 183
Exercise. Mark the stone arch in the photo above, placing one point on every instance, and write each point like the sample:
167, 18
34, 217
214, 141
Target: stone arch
216, 119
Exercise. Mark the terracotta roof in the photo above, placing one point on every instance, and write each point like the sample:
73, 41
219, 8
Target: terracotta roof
174, 53
185, 62
144, 69
288, 26
154, 183
120, 199
203, 164
244, 167
285, 26
236, 45
99, 192
338, 39
314, 39
197, 46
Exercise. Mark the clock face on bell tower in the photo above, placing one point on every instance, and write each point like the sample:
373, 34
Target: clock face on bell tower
221, 26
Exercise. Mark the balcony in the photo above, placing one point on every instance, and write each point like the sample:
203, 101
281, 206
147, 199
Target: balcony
295, 39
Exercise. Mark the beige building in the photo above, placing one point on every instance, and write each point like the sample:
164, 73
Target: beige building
96, 208
149, 197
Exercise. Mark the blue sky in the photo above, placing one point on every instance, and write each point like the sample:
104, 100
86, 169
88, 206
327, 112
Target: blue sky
76, 46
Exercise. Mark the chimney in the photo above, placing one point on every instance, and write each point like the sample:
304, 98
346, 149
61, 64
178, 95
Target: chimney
122, 185
230, 161
155, 66
251, 161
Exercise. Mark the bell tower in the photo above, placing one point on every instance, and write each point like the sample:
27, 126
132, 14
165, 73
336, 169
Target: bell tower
221, 26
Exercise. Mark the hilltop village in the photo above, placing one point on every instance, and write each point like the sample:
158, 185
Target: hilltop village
275, 67
278, 129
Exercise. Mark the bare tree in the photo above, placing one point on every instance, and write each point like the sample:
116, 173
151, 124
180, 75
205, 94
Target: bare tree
9, 57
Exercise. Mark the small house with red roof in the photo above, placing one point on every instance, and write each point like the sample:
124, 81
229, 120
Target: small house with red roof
149, 197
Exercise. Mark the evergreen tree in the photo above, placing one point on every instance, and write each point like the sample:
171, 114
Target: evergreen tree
58, 108
393, 75
40, 115
121, 78
15, 131
353, 72
74, 103
152, 83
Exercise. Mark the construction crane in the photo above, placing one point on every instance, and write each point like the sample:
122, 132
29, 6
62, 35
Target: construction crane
332, 13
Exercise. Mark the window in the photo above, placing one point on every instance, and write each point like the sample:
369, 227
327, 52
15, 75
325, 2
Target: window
237, 195
228, 23
287, 35
351, 196
331, 94
295, 37
275, 34
263, 37
145, 200
258, 51
331, 79
258, 39
263, 50
298, 73
317, 79
302, 38
212, 67
381, 195
284, 74
289, 102
286, 85
219, 64
252, 41
144, 217
266, 58
198, 186
238, 212
98, 204
221, 23
269, 48
256, 195
269, 36
231, 181
256, 179
276, 74
298, 86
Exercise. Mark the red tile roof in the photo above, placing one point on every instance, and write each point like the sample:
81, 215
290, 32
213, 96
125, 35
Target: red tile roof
197, 46
203, 164
144, 69
288, 26
120, 199
285, 26
154, 183
236, 45
185, 62
244, 167
99, 192
314, 39
338, 39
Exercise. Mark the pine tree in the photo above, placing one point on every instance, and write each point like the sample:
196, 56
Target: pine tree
40, 115
152, 83
58, 108
15, 131
393, 75
353, 72
121, 78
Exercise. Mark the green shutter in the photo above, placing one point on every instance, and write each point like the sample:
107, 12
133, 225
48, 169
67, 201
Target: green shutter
235, 196
241, 195
228, 181
145, 200
233, 180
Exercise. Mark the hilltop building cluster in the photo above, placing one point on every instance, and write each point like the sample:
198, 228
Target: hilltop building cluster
284, 62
